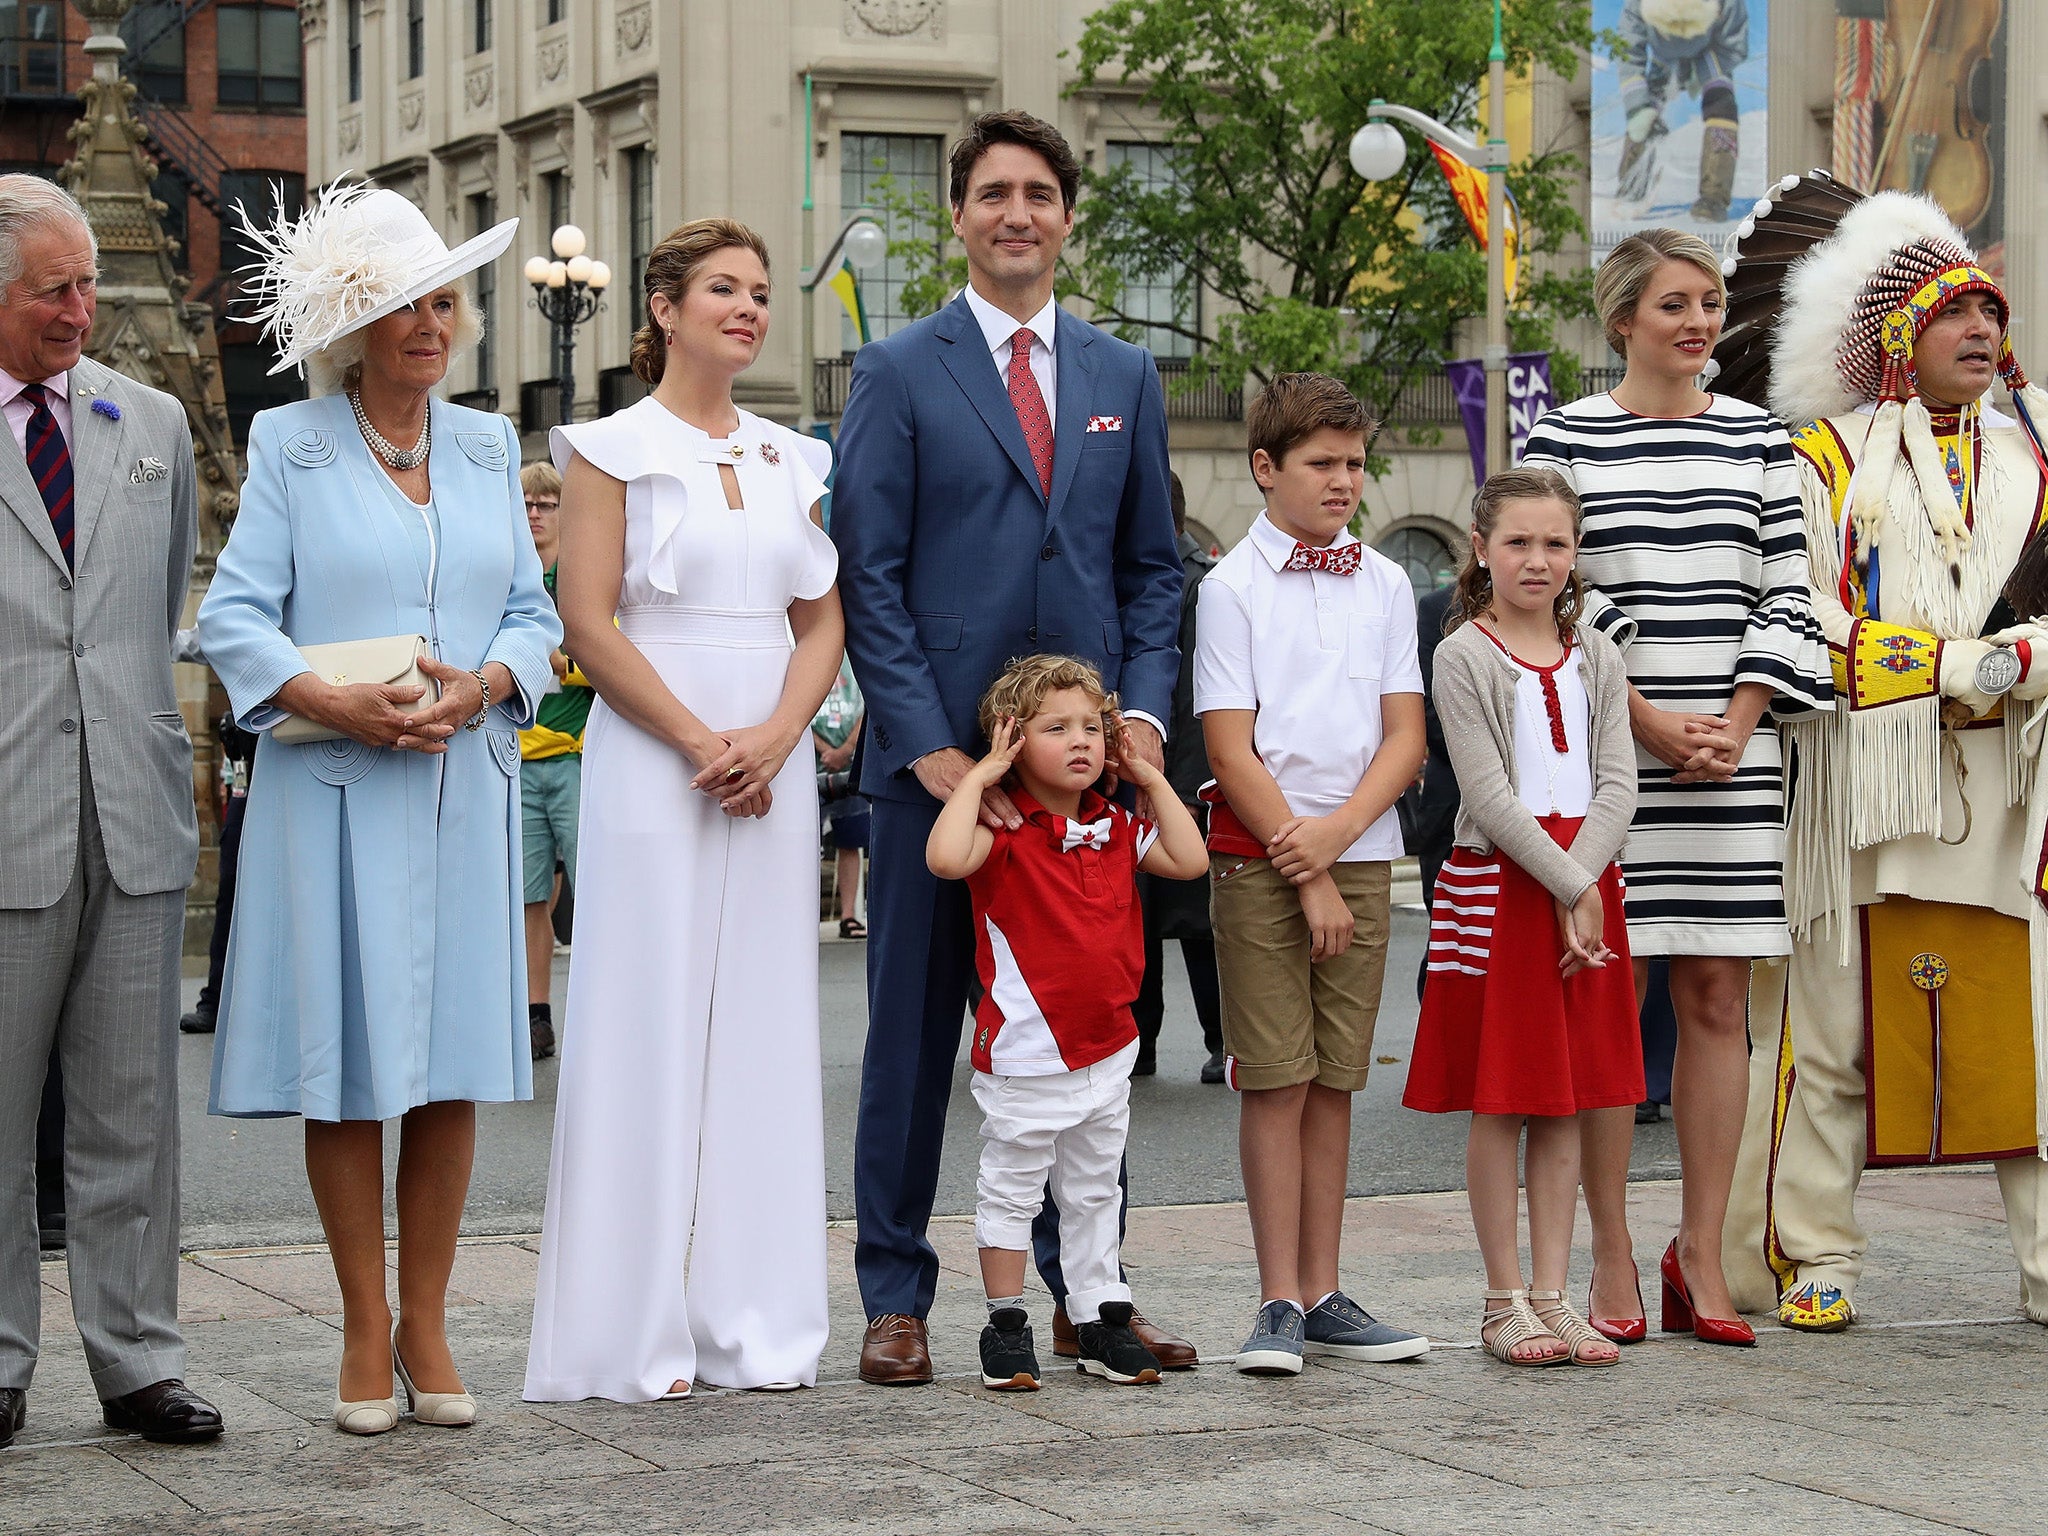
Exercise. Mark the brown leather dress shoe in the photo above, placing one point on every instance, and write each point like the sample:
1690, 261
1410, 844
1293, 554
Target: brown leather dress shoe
895, 1352
1173, 1352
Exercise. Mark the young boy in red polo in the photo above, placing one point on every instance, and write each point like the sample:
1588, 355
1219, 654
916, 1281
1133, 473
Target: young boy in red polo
1060, 947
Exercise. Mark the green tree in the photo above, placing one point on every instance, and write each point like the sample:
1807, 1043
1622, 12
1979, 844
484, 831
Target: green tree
1314, 267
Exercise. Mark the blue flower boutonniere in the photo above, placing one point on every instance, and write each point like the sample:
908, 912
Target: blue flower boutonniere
102, 406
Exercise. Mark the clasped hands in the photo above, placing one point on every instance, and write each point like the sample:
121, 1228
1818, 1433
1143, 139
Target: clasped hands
738, 766
1704, 749
394, 716
1582, 927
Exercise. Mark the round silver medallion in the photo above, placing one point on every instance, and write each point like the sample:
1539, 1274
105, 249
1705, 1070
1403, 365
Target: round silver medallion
1997, 671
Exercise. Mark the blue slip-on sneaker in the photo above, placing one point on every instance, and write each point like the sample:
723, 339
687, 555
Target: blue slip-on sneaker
1340, 1326
1274, 1348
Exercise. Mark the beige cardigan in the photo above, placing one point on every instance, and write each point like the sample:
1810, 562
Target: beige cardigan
1474, 695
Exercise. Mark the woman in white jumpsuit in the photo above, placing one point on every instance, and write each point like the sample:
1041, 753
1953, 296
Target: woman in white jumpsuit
685, 1230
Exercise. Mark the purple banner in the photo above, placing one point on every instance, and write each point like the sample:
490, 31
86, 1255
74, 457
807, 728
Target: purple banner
1529, 396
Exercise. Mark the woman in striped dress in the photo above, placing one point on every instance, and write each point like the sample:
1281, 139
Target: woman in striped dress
1694, 545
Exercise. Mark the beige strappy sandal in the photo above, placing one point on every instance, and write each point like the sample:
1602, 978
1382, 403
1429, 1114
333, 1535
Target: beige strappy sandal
1514, 1323
1556, 1316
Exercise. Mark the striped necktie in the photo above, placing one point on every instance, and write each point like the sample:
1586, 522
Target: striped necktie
49, 464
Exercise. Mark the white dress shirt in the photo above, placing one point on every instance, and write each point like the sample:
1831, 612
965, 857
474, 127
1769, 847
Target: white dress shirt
18, 410
1311, 652
998, 329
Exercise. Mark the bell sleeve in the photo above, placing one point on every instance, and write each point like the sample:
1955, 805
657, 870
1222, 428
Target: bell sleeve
1782, 645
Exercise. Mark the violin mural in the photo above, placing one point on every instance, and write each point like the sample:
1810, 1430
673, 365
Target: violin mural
1920, 107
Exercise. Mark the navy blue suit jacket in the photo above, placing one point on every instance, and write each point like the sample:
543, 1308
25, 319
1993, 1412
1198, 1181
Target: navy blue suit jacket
951, 559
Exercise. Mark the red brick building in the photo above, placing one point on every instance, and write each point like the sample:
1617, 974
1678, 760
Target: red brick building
220, 89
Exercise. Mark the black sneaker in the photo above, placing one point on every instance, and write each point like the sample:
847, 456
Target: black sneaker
1110, 1349
199, 1021
1008, 1363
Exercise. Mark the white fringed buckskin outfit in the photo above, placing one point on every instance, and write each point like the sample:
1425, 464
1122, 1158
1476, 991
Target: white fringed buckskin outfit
1907, 1027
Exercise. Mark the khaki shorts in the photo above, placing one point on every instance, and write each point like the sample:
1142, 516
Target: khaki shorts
1285, 1020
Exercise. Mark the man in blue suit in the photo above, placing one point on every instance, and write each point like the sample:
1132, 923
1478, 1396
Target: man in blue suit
1002, 489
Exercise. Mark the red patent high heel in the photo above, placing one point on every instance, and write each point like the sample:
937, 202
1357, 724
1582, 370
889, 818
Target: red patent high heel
1679, 1316
1622, 1330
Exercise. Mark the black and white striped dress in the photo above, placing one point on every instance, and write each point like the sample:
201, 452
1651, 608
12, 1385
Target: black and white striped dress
1693, 531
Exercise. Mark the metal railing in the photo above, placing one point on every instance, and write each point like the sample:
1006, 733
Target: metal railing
183, 151
1207, 401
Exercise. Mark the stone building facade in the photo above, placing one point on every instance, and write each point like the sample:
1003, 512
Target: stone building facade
629, 116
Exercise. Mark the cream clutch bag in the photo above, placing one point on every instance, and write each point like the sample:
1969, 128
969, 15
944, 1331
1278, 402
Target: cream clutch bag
387, 659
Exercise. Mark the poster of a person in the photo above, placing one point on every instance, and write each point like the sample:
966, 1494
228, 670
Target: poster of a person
1678, 116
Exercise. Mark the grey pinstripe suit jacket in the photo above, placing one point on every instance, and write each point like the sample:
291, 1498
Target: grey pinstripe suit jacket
85, 656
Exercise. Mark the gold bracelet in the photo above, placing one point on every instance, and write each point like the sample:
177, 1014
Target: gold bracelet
476, 720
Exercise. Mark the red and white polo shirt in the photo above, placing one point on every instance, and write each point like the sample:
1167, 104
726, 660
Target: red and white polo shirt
1059, 940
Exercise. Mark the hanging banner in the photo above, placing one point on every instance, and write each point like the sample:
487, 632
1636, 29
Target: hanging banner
1529, 396
1468, 187
1679, 115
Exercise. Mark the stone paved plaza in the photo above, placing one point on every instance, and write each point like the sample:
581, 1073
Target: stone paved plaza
1925, 1417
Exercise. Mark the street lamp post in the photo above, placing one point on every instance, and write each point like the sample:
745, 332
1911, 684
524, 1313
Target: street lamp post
1377, 153
567, 290
865, 246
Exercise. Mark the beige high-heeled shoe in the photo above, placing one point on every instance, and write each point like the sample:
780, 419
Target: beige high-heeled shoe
450, 1410
1587, 1345
371, 1416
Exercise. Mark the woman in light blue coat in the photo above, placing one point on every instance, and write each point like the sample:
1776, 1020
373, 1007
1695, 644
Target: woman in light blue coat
376, 966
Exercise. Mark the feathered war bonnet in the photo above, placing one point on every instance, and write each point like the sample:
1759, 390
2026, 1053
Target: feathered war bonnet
355, 256
1829, 290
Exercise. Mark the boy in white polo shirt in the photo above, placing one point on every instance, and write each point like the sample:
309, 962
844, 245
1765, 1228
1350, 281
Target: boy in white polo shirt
1310, 697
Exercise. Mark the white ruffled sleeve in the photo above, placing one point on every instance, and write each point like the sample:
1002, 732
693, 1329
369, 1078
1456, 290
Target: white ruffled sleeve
810, 465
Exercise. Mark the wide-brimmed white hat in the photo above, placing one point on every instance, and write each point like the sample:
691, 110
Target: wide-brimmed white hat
355, 256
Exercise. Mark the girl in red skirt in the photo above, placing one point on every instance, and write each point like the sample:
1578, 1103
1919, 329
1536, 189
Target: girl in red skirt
1529, 1008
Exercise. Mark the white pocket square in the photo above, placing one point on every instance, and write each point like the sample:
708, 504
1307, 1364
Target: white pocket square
147, 471
1105, 423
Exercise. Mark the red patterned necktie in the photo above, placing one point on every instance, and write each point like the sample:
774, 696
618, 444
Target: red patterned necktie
1030, 404
1337, 559
49, 462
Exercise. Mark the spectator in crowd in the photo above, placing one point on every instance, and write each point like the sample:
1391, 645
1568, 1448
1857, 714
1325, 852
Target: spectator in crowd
835, 733
1433, 801
102, 838
550, 773
1179, 909
376, 967
237, 755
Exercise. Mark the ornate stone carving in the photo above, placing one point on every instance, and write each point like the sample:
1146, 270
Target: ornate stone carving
476, 87
412, 110
312, 19
553, 58
895, 18
349, 133
634, 26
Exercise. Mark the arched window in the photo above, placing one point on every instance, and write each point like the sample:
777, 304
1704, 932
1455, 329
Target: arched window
1423, 555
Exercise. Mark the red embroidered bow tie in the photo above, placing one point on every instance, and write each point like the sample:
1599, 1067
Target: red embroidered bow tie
1084, 834
1338, 559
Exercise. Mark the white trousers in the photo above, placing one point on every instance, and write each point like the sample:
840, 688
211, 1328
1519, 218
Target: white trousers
1792, 1213
1069, 1127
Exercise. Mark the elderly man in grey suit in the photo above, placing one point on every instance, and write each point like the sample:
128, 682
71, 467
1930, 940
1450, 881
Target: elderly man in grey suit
96, 796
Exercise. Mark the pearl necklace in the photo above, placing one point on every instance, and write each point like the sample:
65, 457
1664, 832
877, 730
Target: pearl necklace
384, 448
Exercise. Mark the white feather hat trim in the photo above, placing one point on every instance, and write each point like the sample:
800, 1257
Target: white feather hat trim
355, 256
1824, 290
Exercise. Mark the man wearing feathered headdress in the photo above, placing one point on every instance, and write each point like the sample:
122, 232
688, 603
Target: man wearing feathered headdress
1912, 1012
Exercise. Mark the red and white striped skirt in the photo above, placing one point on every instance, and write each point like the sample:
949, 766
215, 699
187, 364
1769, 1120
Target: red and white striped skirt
1501, 1032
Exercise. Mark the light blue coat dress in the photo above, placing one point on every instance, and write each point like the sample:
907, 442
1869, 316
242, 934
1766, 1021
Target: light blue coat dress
377, 959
